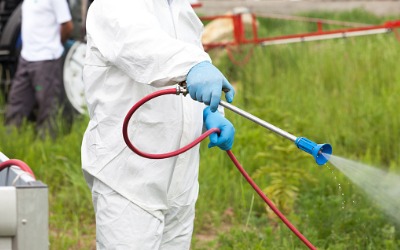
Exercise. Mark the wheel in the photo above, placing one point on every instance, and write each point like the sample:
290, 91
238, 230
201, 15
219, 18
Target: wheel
72, 75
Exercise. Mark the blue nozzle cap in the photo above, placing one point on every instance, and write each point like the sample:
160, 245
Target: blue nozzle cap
320, 152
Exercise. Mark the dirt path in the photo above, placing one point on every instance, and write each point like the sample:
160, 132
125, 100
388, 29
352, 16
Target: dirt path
259, 7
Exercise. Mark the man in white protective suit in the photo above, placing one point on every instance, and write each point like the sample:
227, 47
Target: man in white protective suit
135, 48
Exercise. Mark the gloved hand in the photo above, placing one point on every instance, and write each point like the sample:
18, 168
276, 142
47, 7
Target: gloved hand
205, 83
224, 140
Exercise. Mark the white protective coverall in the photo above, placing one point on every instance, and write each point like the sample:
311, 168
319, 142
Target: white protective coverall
135, 48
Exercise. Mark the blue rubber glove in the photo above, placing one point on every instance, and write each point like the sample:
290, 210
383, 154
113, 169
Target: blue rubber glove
205, 83
224, 140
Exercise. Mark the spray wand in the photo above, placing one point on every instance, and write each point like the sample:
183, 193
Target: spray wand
320, 152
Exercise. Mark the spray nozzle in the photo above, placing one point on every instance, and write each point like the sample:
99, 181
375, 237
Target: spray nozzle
320, 152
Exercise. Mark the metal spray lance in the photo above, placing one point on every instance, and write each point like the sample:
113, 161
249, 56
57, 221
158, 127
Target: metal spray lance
320, 152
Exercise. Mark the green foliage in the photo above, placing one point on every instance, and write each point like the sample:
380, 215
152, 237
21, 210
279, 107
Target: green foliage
341, 91
281, 176
323, 80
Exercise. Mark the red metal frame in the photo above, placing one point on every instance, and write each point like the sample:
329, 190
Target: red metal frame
196, 5
239, 37
330, 34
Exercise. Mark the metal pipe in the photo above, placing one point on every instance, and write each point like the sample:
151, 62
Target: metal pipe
258, 121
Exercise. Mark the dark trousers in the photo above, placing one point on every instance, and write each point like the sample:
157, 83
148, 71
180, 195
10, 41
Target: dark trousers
36, 86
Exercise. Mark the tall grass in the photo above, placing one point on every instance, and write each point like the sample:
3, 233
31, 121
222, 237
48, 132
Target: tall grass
344, 92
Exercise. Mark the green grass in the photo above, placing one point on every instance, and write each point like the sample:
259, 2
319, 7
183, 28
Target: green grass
344, 92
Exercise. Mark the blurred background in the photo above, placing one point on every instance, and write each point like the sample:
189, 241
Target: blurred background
326, 70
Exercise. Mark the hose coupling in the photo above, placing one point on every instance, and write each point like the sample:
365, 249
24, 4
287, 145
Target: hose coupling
181, 89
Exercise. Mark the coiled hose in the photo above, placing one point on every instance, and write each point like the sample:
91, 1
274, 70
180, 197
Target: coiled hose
192, 144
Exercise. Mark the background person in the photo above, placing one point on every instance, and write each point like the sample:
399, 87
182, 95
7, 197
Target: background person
46, 25
135, 48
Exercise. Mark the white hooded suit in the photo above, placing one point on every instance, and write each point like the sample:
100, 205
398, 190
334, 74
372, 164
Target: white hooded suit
135, 48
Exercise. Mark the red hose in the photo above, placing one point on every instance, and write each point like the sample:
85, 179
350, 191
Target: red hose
198, 140
14, 162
